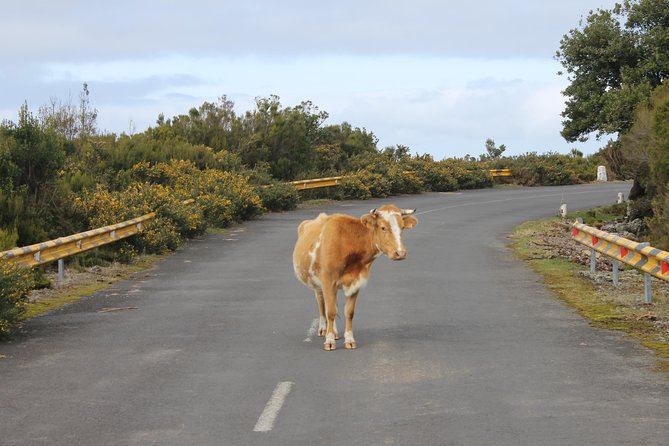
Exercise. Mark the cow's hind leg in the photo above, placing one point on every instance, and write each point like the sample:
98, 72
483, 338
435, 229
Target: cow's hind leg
322, 322
349, 309
330, 299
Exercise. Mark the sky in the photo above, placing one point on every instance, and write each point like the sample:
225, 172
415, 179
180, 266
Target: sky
440, 77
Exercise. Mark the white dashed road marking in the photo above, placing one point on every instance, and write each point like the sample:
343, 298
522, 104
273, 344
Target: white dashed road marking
268, 416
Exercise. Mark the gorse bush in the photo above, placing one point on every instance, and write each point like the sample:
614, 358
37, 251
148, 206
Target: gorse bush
172, 223
15, 284
278, 196
220, 199
550, 169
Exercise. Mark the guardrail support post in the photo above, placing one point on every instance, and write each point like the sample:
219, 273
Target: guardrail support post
593, 261
616, 264
61, 270
646, 287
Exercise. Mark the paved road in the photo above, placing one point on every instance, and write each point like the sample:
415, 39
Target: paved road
458, 345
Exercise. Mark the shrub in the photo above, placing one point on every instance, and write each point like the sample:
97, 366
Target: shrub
353, 188
15, 284
102, 207
8, 238
379, 185
403, 183
234, 187
659, 223
278, 196
436, 177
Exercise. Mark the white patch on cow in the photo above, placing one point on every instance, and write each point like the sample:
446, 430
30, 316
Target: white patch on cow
330, 339
348, 336
392, 218
315, 281
296, 268
356, 285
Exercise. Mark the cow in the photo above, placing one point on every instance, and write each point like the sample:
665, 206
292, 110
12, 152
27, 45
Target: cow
336, 251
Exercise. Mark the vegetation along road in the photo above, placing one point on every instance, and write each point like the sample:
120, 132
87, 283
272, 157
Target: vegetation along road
460, 344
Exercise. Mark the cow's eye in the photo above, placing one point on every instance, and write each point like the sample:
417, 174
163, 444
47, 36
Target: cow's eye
383, 228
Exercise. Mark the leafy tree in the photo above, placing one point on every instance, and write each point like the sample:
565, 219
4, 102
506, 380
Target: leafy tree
492, 152
613, 61
36, 154
213, 124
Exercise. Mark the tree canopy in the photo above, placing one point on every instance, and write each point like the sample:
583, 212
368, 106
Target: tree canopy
613, 61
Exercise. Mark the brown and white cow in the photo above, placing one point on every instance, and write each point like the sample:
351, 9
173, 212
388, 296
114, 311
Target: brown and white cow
336, 251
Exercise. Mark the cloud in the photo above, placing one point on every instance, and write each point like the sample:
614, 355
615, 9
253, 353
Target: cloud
75, 30
437, 76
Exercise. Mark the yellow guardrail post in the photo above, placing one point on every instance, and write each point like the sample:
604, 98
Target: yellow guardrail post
651, 261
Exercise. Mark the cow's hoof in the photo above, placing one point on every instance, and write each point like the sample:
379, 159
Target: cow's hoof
329, 343
322, 332
350, 345
337, 336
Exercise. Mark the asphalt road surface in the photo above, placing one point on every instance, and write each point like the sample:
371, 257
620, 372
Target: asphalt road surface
460, 344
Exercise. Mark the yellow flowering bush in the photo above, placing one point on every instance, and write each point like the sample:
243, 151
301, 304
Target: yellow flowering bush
173, 220
220, 199
15, 285
224, 196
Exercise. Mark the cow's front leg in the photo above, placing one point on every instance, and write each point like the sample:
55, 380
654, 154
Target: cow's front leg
349, 309
330, 300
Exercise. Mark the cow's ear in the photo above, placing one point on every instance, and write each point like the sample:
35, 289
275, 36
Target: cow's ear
368, 220
409, 221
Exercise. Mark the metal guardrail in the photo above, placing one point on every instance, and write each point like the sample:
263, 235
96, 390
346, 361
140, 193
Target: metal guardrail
501, 172
642, 256
45, 252
335, 181
316, 183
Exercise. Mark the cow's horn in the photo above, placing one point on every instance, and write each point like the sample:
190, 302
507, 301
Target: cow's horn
373, 211
408, 211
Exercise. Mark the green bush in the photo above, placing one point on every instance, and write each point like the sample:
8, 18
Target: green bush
15, 284
436, 177
379, 185
8, 238
278, 196
659, 223
353, 188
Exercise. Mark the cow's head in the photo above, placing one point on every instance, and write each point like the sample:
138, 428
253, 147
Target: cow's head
387, 223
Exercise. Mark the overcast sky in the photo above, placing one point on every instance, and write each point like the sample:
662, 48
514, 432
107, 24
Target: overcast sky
438, 76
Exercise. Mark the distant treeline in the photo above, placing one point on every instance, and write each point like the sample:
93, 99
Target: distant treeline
60, 175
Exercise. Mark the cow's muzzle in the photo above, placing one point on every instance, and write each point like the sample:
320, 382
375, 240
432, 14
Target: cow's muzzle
400, 254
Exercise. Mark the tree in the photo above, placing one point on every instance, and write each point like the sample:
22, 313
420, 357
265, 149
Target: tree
492, 152
68, 120
613, 61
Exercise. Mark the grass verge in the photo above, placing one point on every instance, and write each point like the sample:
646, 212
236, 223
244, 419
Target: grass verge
605, 306
81, 284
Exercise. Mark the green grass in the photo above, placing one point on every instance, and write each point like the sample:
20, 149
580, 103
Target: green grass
597, 216
307, 204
